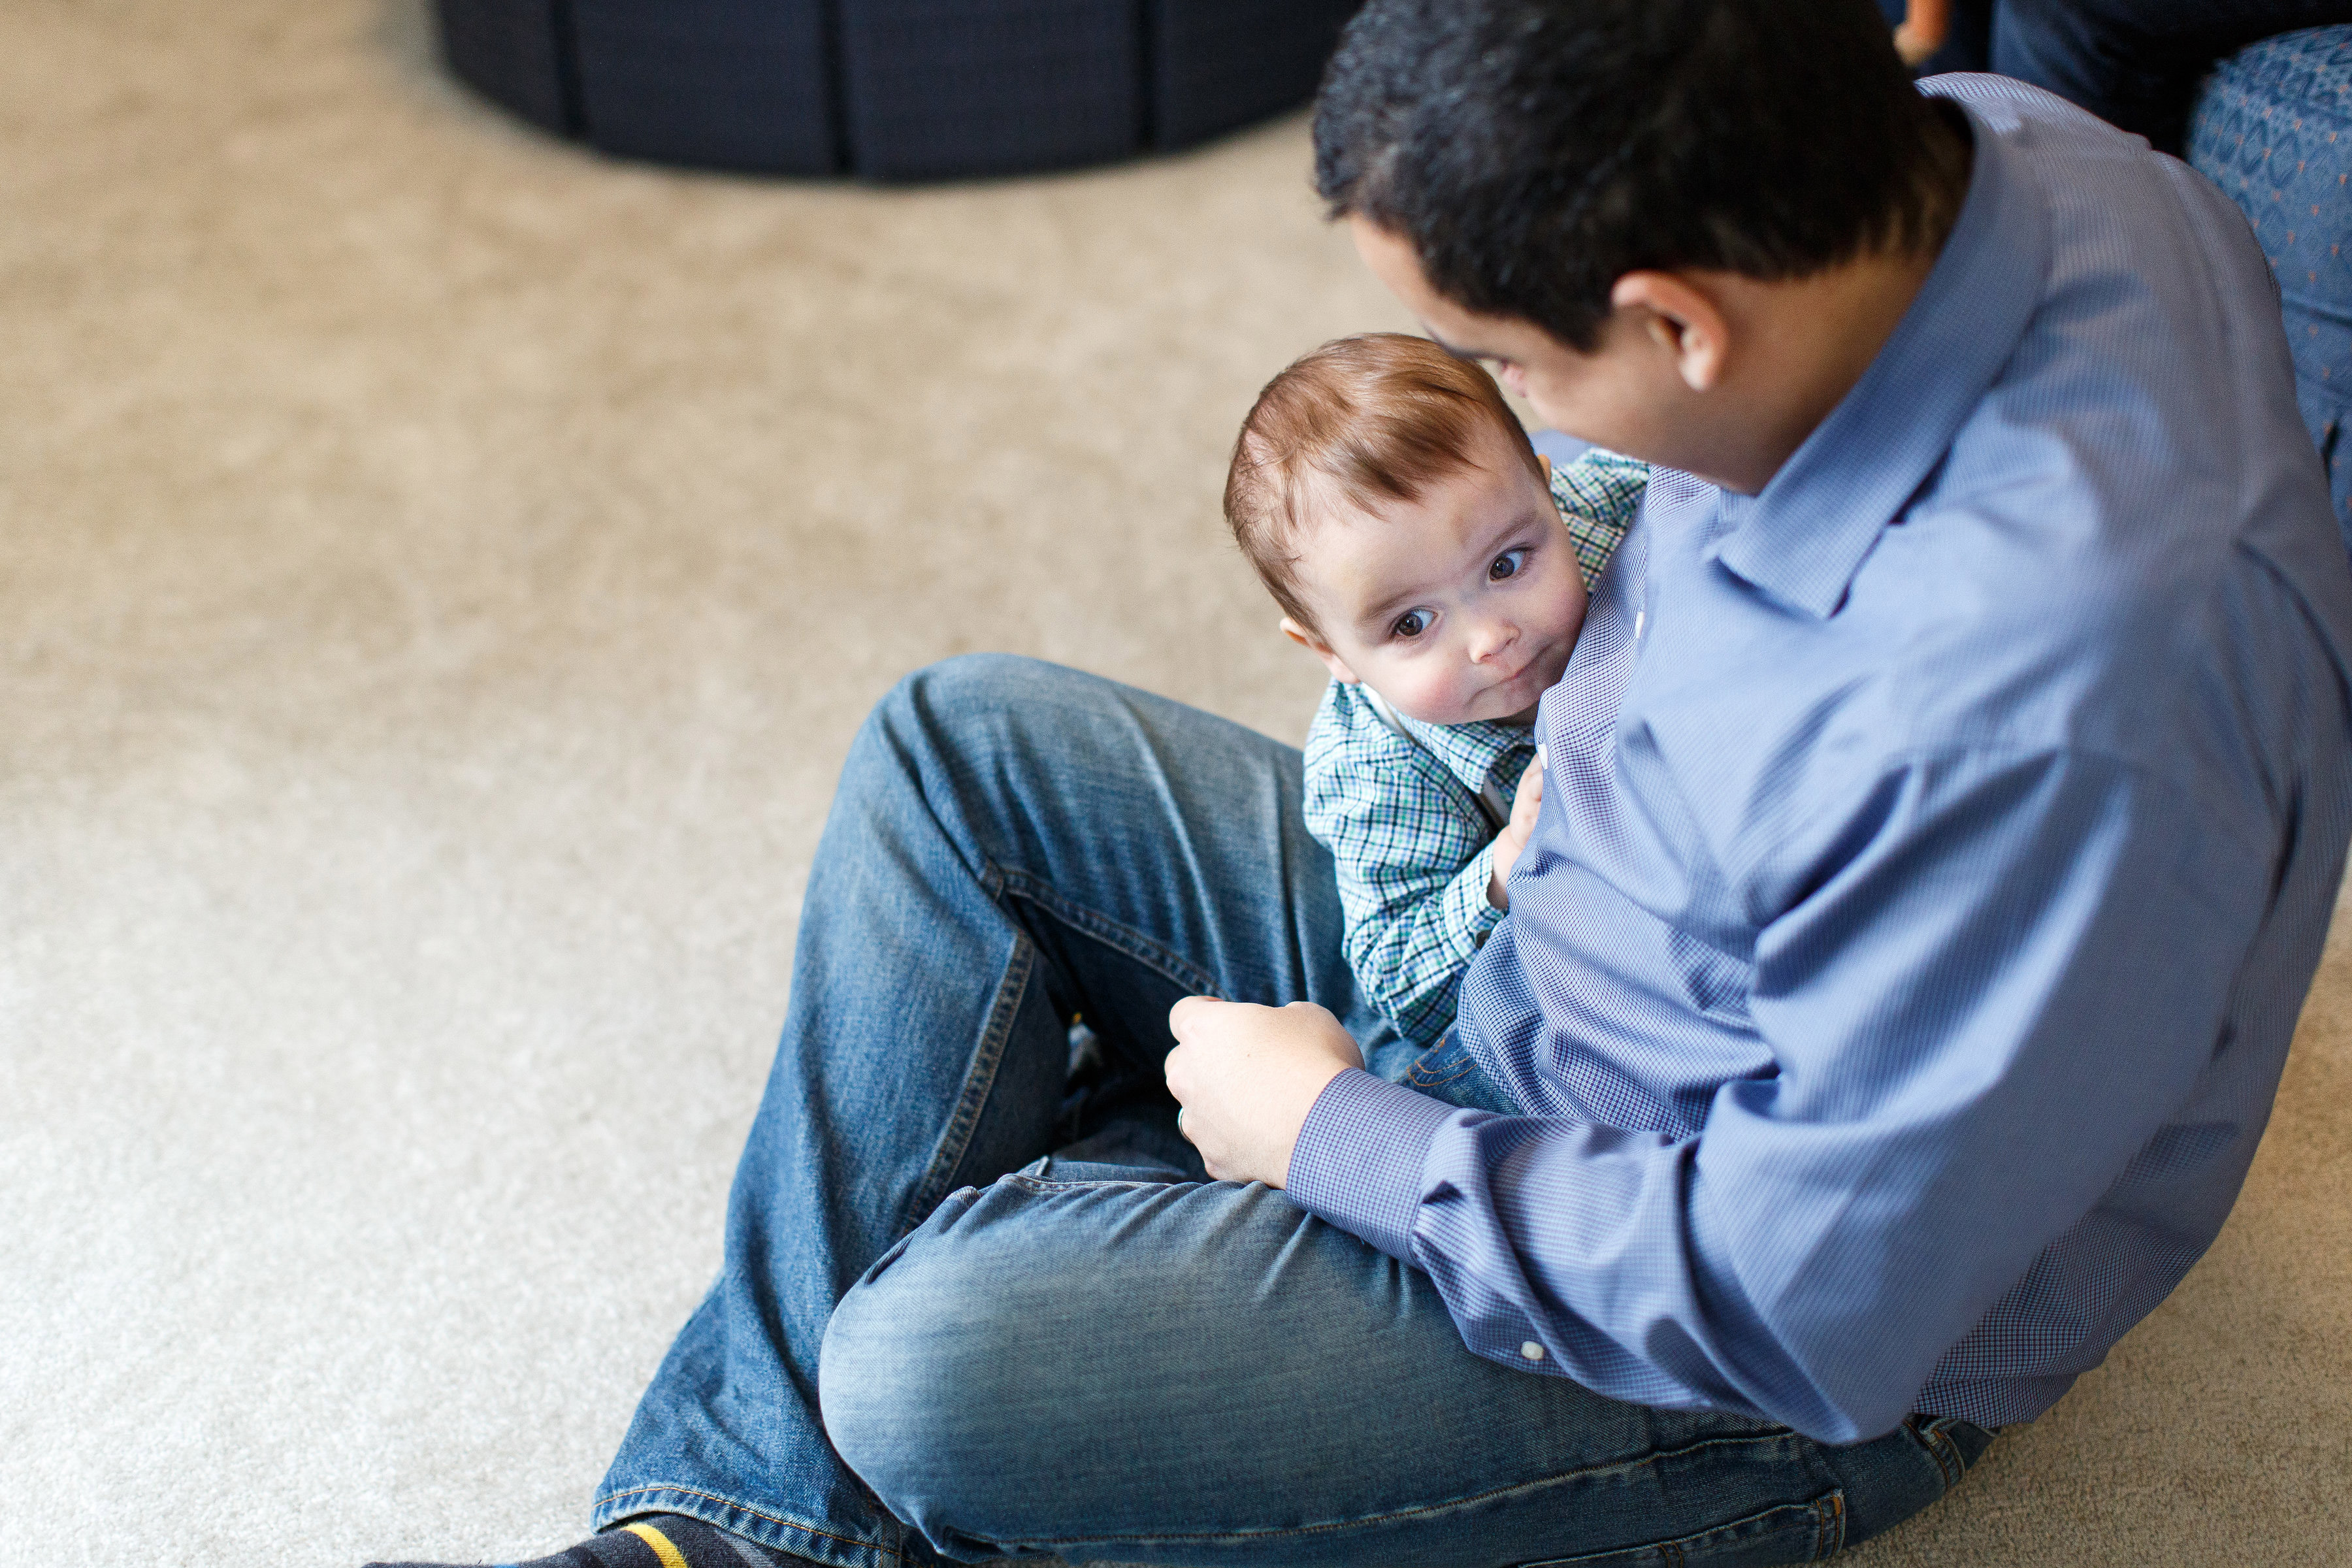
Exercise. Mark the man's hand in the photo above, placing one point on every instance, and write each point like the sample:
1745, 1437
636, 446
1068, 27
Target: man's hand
1246, 1077
1514, 836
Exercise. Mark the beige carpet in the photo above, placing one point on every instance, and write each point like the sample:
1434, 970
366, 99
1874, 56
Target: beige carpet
440, 574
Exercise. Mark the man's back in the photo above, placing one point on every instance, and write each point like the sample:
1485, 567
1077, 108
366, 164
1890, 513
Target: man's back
1945, 837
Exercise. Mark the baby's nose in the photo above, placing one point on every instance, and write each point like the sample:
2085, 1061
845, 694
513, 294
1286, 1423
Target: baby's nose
1489, 639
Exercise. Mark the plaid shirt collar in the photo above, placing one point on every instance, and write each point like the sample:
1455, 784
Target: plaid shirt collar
1470, 751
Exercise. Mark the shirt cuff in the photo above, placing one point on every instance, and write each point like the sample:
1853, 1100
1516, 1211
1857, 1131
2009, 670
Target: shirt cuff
1469, 916
1359, 1158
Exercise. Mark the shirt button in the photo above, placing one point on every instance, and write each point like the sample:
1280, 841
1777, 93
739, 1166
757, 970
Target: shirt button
1531, 1350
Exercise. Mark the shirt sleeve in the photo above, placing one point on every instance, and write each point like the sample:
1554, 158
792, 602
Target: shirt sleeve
1412, 870
1971, 944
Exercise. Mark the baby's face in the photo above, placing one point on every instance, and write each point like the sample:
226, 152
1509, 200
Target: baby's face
1463, 604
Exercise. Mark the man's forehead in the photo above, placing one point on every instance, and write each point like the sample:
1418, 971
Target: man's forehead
1461, 332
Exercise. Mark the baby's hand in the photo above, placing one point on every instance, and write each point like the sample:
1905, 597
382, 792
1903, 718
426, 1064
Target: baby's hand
1514, 836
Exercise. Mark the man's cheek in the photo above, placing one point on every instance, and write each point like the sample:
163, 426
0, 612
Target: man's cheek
1570, 406
1551, 407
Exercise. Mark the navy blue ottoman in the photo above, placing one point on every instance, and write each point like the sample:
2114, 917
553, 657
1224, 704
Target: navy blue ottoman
891, 89
2274, 128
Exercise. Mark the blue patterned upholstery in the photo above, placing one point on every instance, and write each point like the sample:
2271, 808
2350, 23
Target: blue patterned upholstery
2273, 129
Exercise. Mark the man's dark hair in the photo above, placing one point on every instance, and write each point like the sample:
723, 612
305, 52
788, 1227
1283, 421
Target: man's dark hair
1533, 152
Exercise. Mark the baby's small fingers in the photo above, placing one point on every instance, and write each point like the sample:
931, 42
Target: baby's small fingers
1531, 794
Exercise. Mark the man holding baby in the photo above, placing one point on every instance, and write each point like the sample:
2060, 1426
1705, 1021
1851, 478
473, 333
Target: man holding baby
1945, 804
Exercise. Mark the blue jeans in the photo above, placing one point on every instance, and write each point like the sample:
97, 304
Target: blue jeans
979, 1300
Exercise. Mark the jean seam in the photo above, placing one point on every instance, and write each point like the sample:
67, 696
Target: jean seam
1829, 1534
1165, 961
1827, 1511
1467, 1500
672, 1488
979, 1080
1046, 1185
1940, 1449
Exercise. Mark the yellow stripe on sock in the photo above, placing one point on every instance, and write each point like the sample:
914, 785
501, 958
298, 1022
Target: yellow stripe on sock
671, 1557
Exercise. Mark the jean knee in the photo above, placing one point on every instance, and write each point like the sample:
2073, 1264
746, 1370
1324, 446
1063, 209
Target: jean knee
969, 1377
972, 683
969, 706
909, 1377
857, 1397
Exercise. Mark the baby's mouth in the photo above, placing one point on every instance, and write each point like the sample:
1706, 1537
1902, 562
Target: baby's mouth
1526, 669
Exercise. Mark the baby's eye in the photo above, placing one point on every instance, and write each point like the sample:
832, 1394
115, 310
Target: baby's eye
1411, 624
1510, 564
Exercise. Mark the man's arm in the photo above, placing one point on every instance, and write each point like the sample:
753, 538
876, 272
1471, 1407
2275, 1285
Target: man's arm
1994, 997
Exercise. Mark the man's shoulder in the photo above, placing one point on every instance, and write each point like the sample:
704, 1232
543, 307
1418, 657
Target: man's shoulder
2140, 452
2157, 313
2030, 613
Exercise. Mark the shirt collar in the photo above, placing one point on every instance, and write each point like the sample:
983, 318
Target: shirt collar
1805, 536
1471, 750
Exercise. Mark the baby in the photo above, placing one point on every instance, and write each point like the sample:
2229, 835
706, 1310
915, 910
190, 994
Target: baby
1394, 507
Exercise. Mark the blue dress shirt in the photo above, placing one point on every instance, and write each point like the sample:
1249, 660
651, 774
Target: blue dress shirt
1938, 850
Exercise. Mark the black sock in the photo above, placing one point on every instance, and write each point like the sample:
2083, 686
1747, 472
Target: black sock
655, 1541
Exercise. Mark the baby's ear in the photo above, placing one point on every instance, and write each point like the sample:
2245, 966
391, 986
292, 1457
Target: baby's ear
1320, 649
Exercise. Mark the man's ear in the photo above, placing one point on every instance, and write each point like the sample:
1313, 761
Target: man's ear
1320, 649
1682, 319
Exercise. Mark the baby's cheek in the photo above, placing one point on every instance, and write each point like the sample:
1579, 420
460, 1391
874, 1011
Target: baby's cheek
1441, 692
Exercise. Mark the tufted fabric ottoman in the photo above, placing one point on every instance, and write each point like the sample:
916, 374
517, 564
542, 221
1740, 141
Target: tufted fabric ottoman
2274, 128
891, 89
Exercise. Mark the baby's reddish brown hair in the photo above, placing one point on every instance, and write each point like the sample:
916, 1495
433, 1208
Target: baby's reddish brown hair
1381, 416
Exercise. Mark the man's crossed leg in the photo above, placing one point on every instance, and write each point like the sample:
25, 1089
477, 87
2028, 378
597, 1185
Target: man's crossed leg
971, 1309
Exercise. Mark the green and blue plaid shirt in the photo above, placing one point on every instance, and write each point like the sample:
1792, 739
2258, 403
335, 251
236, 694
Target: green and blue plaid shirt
1401, 817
